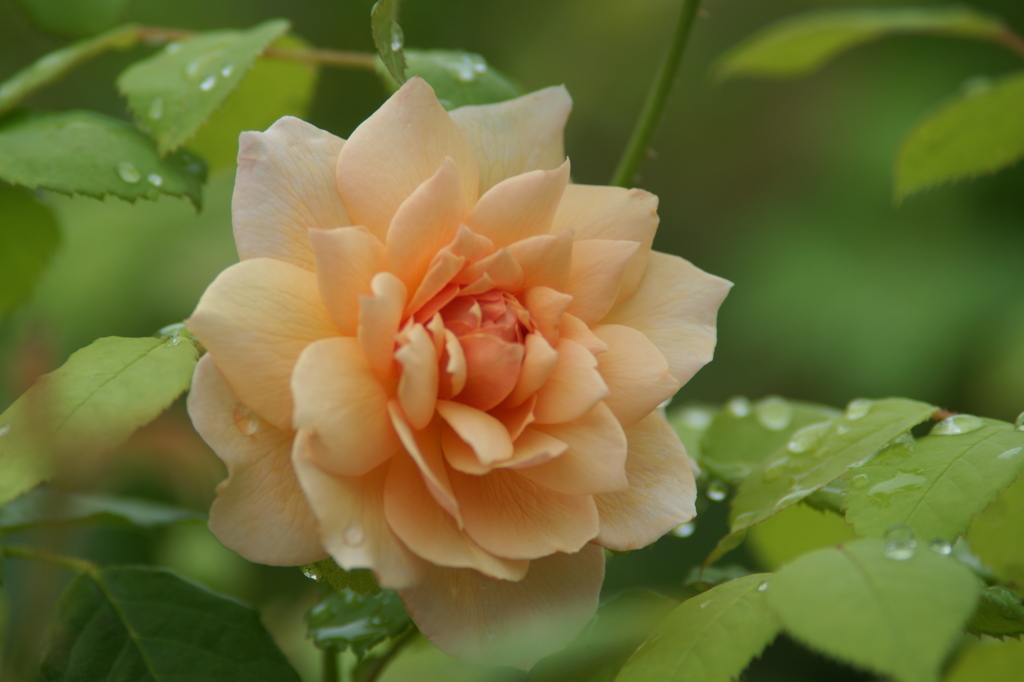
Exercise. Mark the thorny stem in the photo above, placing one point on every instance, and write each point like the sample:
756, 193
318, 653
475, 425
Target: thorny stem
636, 149
42, 556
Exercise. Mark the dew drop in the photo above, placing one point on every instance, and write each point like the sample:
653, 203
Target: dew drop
763, 586
397, 38
842, 429
775, 469
354, 535
208, 83
696, 418
310, 573
464, 73
192, 69
684, 530
1019, 423
957, 425
1012, 452
172, 47
860, 481
902, 482
858, 408
4, 430
717, 491
706, 604
247, 421
774, 413
475, 62
807, 438
156, 108
940, 546
738, 406
128, 172
900, 543
227, 70
155, 179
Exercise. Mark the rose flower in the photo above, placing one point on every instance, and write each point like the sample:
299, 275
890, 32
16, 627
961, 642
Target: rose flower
439, 360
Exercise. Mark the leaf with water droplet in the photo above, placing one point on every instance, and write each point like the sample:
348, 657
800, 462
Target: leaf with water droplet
359, 580
455, 76
690, 421
190, 80
1000, 613
995, 535
708, 638
896, 618
389, 38
29, 237
939, 485
82, 152
347, 620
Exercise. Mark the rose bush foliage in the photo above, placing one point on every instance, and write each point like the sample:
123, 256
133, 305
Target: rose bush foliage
440, 360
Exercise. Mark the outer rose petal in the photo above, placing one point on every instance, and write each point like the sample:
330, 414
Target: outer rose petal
598, 268
661, 489
255, 319
260, 511
347, 258
338, 397
546, 259
675, 307
402, 144
494, 622
516, 136
519, 207
284, 188
636, 373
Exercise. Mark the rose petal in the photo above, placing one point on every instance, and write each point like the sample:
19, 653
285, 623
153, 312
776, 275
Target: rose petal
255, 319
500, 266
546, 259
424, 448
417, 387
379, 317
512, 517
574, 387
516, 136
431, 533
675, 307
538, 363
598, 266
533, 448
519, 207
661, 490
516, 418
612, 213
485, 434
595, 461
353, 529
347, 258
402, 144
436, 290
338, 397
492, 369
260, 511
284, 189
574, 328
459, 455
636, 373
454, 378
546, 308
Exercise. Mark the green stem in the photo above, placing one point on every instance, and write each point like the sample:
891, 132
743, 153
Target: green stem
374, 667
330, 665
42, 556
656, 98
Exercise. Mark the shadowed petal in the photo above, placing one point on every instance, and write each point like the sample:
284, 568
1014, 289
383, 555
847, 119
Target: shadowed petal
538, 363
598, 266
417, 387
636, 373
379, 317
485, 434
347, 258
424, 448
546, 308
574, 328
519, 207
492, 369
546, 259
573, 388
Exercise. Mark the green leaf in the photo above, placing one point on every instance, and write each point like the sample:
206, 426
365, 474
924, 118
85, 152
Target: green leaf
54, 65
360, 580
74, 17
799, 45
81, 152
388, 37
997, 536
346, 620
817, 455
988, 662
938, 483
28, 237
709, 638
173, 93
742, 435
458, 78
977, 132
619, 627
44, 507
148, 624
892, 617
92, 403
274, 88
999, 614
690, 421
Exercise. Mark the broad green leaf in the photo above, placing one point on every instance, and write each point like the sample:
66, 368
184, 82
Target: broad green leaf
799, 45
794, 532
82, 152
388, 37
997, 536
999, 614
274, 88
815, 456
92, 403
458, 78
988, 662
173, 93
54, 65
28, 237
360, 580
690, 422
619, 627
44, 507
743, 434
346, 620
150, 625
892, 617
74, 17
709, 638
938, 483
977, 132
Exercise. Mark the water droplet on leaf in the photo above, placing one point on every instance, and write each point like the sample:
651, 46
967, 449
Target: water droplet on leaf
684, 530
208, 83
227, 70
172, 47
247, 421
807, 438
902, 482
763, 586
774, 413
155, 179
940, 546
397, 38
1019, 422
156, 108
738, 406
192, 69
128, 172
775, 469
4, 430
860, 481
1012, 452
858, 408
706, 604
900, 543
696, 418
717, 491
956, 425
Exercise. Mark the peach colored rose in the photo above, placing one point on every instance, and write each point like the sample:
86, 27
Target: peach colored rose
439, 360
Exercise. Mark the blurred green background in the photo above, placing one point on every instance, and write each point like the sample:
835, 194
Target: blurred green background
782, 187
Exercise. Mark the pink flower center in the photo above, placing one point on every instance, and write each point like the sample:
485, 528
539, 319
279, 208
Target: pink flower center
496, 313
